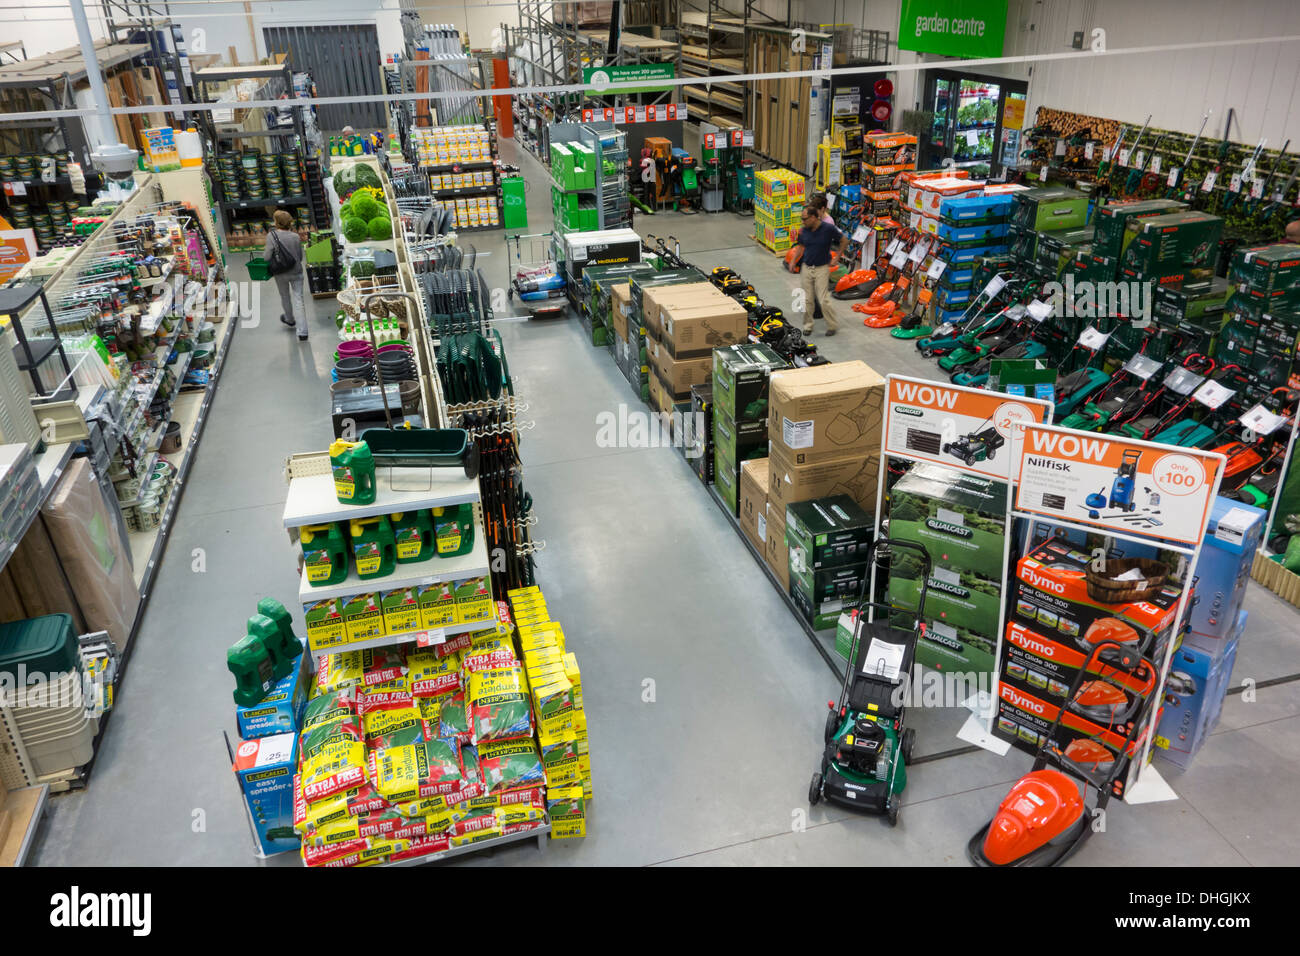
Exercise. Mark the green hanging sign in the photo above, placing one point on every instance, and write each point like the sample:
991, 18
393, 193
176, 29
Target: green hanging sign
963, 28
598, 78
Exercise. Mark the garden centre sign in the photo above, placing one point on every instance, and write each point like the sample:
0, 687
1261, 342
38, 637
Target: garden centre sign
964, 28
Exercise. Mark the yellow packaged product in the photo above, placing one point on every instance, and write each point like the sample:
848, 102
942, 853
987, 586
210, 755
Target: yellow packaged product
498, 704
333, 758
566, 807
344, 669
434, 676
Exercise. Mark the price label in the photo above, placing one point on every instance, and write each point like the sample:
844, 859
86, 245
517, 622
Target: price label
672, 111
1142, 366
1039, 310
1123, 157
996, 285
1234, 184
1257, 189
830, 201
16, 188
1261, 421
640, 114
860, 234
1207, 183
709, 141
893, 247
1139, 159
652, 113
936, 268
1042, 175
747, 138
1212, 394
1060, 148
609, 114
1156, 163
588, 115
898, 259
921, 250
1093, 339
972, 137
1173, 176
1088, 150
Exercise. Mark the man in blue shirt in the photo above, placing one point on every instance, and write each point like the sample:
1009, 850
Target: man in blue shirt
817, 238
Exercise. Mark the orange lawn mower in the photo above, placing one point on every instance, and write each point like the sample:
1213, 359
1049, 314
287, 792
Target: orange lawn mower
1045, 818
883, 309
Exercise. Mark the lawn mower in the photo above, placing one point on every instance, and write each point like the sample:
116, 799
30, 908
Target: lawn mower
1079, 385
867, 748
1177, 390
1045, 818
1014, 330
882, 308
979, 445
944, 340
1190, 433
1123, 398
977, 375
1261, 484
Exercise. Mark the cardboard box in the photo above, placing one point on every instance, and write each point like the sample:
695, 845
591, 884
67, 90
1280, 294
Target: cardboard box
437, 604
738, 442
726, 479
363, 618
959, 518
741, 380
655, 297
826, 412
1169, 245
1271, 270
325, 629
677, 375
855, 476
401, 610
265, 767
822, 613
1231, 538
474, 601
1198, 682
753, 501
620, 307
827, 533
1049, 207
775, 551
697, 329
1112, 222
661, 399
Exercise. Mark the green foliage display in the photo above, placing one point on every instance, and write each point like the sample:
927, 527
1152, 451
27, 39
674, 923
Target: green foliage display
380, 228
355, 229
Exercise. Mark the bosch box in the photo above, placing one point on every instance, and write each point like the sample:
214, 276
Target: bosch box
1112, 220
1272, 270
1174, 244
1049, 207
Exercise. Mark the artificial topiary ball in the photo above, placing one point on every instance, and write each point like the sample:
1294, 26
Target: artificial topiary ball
355, 229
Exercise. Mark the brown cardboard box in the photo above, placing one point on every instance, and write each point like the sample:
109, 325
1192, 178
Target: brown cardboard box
775, 551
678, 375
698, 329
656, 297
39, 578
753, 500
660, 400
826, 412
620, 305
853, 475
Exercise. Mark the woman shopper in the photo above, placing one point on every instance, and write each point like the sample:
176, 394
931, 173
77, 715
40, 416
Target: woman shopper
285, 242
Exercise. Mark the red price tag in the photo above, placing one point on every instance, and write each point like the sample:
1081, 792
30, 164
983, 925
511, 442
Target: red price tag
609, 114
737, 137
588, 115
651, 113
672, 111
629, 114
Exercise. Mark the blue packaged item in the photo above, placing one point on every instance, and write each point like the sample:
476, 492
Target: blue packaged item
280, 711
948, 316
1223, 571
962, 232
1194, 693
954, 255
953, 298
265, 768
979, 208
959, 277
850, 192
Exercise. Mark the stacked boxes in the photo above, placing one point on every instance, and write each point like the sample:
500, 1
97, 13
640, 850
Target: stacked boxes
753, 501
778, 195
699, 448
1058, 248
1112, 222
1194, 693
1167, 249
959, 519
444, 145
824, 433
598, 303
885, 157
1271, 273
1049, 208
967, 225
740, 379
829, 544
684, 323
1264, 312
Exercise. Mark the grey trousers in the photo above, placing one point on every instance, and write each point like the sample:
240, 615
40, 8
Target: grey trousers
290, 286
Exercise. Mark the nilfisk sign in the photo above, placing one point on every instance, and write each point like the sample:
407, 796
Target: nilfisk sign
965, 28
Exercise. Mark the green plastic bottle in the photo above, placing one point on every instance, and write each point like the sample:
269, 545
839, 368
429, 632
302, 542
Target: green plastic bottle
454, 530
373, 547
254, 670
281, 655
289, 645
354, 472
413, 533
324, 553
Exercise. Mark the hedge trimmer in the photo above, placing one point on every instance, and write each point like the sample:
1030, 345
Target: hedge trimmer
1257, 197
1178, 175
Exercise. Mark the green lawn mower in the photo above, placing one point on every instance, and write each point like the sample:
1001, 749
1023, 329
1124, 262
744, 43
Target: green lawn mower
867, 748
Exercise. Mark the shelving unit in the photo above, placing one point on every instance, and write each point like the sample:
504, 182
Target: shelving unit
436, 570
311, 498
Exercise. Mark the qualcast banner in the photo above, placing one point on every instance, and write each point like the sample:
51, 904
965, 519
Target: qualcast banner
1125, 486
971, 429
598, 78
963, 28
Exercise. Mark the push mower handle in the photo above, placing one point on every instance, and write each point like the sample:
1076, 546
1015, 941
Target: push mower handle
890, 544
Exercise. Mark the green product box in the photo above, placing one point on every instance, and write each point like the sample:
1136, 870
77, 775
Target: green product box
562, 165
1201, 303
1176, 244
1100, 268
958, 598
844, 626
1273, 271
726, 478
949, 646
958, 518
741, 375
1112, 220
325, 629
738, 442
821, 615
843, 583
1023, 243
437, 605
584, 166
401, 610
1049, 207
1054, 249
363, 618
826, 533
566, 204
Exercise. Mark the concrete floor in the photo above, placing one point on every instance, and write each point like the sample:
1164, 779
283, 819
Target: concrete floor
657, 594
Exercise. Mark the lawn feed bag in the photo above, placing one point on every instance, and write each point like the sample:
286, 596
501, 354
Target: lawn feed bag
511, 764
337, 671
323, 855
395, 726
433, 676
420, 770
330, 706
498, 704
381, 665
333, 758
349, 803
453, 717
